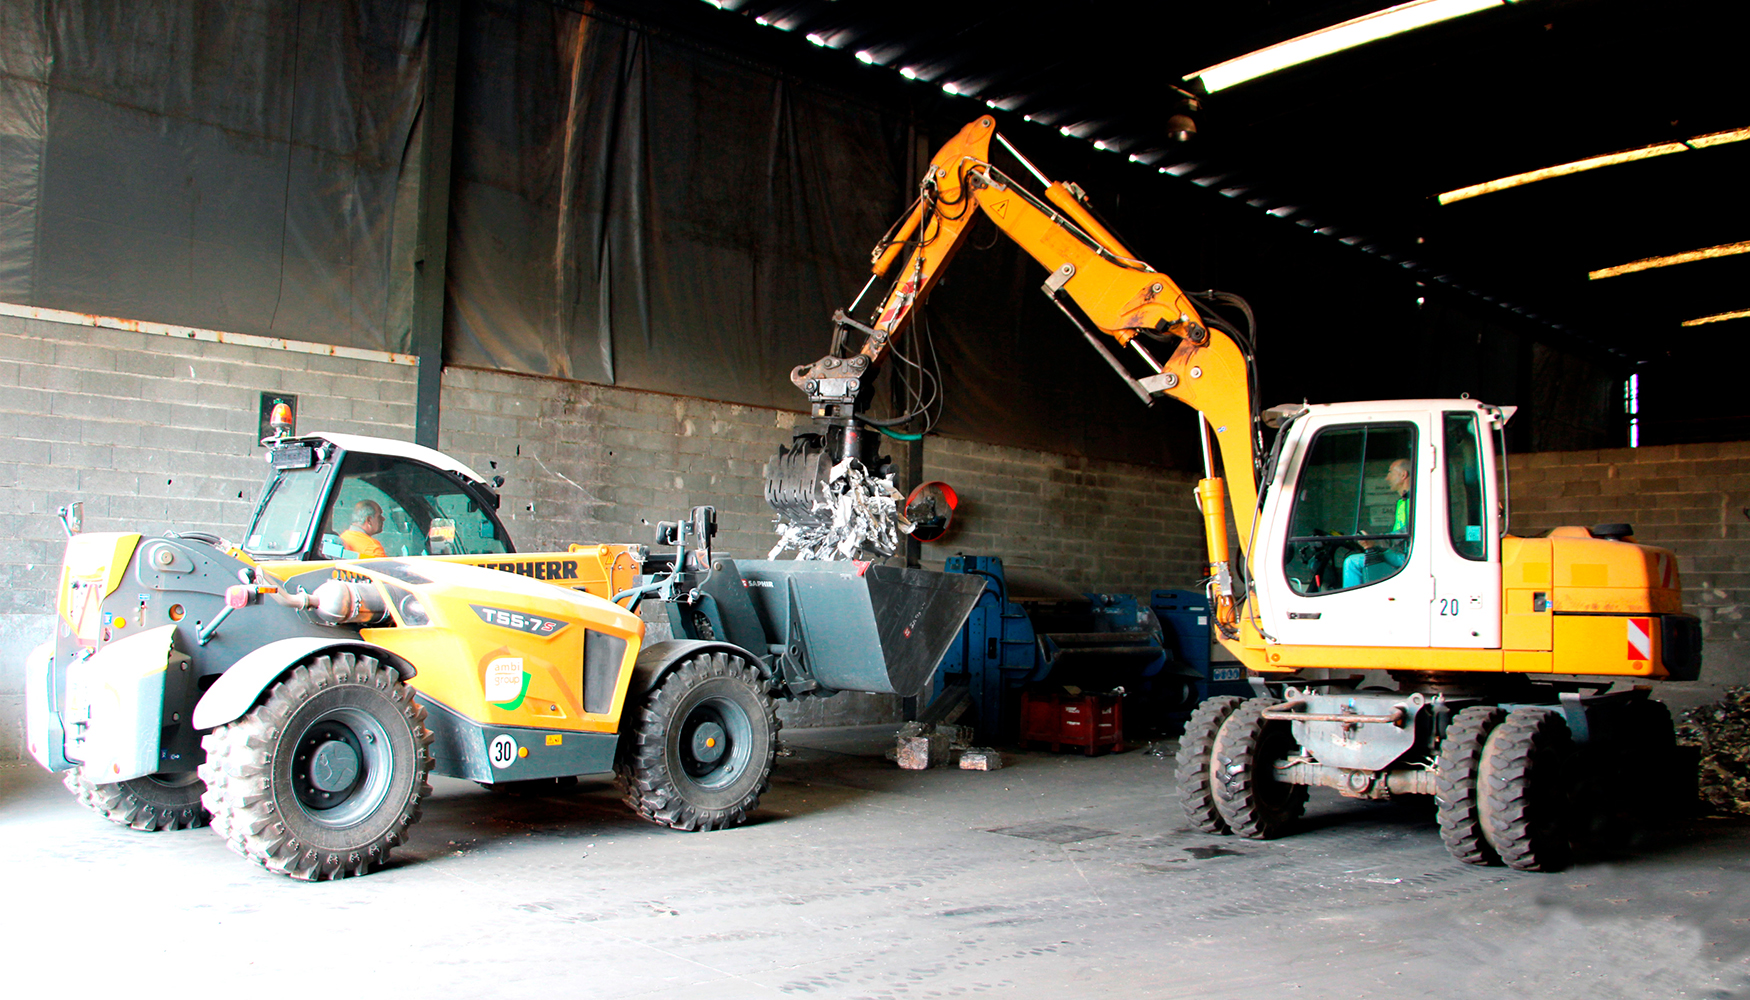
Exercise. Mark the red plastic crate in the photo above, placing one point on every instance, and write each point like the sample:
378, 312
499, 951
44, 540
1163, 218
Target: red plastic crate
1093, 722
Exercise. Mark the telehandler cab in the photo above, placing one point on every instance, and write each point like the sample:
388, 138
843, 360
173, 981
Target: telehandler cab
300, 696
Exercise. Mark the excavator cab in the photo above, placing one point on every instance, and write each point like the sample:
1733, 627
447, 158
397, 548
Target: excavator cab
1383, 527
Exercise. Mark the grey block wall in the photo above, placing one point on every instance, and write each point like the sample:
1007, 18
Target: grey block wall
156, 433
1693, 499
153, 434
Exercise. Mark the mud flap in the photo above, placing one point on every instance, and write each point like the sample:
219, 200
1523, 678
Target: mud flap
119, 694
43, 732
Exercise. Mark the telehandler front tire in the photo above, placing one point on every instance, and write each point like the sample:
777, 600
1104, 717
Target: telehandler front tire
698, 753
152, 803
1196, 758
327, 774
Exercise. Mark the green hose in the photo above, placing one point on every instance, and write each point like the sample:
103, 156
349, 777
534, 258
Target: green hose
897, 435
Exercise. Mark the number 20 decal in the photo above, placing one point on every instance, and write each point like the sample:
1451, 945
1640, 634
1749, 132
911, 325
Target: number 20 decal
1449, 607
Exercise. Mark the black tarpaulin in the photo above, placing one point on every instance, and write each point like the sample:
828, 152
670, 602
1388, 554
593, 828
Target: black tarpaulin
634, 212
234, 165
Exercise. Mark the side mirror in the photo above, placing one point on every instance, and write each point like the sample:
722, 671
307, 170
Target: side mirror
72, 517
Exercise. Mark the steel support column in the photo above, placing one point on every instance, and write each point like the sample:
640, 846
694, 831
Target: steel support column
431, 245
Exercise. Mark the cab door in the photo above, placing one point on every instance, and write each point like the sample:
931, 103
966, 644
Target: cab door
1466, 542
1346, 559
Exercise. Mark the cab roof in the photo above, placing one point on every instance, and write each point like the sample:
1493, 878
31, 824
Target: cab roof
398, 449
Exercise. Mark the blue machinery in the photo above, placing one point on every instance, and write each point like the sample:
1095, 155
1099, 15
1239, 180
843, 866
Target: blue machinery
1159, 655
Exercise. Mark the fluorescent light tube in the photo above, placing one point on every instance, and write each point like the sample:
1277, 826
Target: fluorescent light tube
1325, 41
1708, 253
1594, 162
1718, 317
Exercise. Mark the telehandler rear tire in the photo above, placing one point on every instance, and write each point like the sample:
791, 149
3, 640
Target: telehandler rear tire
698, 753
1250, 799
1523, 790
1456, 805
327, 774
152, 803
1196, 758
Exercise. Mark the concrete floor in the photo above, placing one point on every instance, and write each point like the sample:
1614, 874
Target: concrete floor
1059, 876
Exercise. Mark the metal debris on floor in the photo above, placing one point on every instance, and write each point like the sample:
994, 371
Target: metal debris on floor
919, 746
980, 759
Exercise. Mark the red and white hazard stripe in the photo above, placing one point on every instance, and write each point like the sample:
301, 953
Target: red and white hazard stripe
1640, 638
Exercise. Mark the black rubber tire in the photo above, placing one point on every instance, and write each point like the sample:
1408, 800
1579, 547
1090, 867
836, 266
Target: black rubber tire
662, 773
1461, 754
150, 804
1250, 799
1523, 790
1196, 758
1653, 787
270, 806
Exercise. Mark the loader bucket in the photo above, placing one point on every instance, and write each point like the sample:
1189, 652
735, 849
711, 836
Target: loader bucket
854, 626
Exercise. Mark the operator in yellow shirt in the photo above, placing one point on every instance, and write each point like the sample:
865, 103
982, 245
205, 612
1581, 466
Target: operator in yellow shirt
367, 522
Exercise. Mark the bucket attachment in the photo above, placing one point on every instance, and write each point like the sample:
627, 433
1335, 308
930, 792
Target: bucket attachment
844, 626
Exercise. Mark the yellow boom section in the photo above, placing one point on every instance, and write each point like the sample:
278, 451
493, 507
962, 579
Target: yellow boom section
1119, 294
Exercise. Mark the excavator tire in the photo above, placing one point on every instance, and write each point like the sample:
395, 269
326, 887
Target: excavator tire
1196, 755
1523, 790
1461, 753
1250, 799
1649, 770
325, 776
1627, 779
698, 753
152, 803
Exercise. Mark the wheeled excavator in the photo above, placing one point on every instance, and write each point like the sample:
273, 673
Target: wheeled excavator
1400, 640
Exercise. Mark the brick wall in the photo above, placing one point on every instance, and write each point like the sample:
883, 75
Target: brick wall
1689, 498
1096, 525
157, 433
152, 433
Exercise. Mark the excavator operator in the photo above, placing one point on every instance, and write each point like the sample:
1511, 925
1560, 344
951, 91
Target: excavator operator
1397, 479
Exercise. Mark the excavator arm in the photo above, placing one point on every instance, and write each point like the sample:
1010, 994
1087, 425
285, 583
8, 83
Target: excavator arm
1119, 297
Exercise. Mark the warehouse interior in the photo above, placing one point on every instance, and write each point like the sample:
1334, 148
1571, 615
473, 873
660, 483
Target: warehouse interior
583, 246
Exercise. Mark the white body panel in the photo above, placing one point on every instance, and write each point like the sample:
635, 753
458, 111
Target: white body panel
1437, 597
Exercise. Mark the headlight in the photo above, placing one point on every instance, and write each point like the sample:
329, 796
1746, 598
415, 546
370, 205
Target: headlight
409, 606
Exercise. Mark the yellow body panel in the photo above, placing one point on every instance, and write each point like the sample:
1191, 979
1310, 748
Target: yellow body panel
456, 651
95, 564
1571, 605
601, 570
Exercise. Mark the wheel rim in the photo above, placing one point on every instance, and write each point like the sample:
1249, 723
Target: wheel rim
341, 765
716, 742
174, 779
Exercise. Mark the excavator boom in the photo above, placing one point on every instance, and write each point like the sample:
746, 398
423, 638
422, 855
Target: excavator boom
1120, 302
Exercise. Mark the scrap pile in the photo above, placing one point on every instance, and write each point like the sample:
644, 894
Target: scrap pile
860, 511
1721, 732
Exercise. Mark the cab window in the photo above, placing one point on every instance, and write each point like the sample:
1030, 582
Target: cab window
284, 521
1464, 486
424, 512
1353, 519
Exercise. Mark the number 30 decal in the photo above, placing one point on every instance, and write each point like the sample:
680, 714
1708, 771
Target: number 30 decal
503, 752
